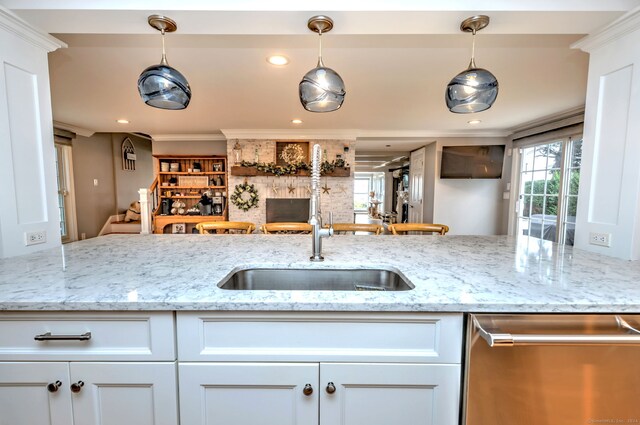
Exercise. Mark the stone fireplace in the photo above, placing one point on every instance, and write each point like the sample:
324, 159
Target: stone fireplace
281, 210
337, 198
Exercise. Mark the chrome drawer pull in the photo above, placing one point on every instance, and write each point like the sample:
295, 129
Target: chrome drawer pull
48, 337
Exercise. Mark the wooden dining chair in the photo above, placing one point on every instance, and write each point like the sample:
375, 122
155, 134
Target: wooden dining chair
225, 227
352, 228
287, 228
403, 228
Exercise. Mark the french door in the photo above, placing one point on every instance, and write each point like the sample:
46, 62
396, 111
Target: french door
548, 189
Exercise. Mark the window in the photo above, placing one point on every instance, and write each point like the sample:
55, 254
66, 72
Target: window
548, 197
363, 185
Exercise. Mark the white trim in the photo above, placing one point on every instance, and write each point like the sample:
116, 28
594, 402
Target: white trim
429, 134
354, 134
570, 114
85, 132
284, 134
627, 23
72, 216
13, 24
188, 137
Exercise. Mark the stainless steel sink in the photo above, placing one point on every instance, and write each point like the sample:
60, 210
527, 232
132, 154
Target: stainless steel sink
315, 280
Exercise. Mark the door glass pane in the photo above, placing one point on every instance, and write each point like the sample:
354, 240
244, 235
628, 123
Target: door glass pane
549, 193
571, 189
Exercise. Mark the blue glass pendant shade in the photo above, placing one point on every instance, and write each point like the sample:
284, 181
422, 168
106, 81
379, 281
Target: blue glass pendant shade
164, 87
472, 90
321, 90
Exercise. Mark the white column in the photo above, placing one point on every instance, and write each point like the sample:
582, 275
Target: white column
145, 211
609, 197
28, 184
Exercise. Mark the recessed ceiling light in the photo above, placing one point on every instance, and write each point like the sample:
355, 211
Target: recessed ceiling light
122, 121
278, 60
474, 122
296, 121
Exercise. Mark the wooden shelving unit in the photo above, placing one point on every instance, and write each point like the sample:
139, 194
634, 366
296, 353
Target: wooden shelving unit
212, 169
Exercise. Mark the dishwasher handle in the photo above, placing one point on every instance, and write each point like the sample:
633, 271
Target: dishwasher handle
509, 340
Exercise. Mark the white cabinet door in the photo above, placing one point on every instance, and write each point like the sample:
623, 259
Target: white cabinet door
25, 399
383, 394
124, 393
248, 393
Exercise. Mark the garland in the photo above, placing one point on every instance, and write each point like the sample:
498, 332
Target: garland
242, 203
279, 170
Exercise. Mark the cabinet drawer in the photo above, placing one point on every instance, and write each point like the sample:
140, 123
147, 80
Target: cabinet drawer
113, 336
370, 337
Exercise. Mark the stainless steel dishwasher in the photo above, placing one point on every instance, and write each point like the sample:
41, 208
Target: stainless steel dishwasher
552, 369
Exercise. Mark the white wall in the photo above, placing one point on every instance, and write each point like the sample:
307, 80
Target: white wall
609, 196
471, 206
28, 187
430, 164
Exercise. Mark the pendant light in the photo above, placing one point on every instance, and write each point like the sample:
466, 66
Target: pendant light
474, 89
162, 86
321, 89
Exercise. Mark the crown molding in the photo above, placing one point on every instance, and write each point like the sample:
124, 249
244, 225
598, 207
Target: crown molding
622, 26
284, 134
354, 134
428, 134
570, 116
85, 132
13, 24
216, 137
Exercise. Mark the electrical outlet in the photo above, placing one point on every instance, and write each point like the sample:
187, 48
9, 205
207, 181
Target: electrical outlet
602, 239
34, 238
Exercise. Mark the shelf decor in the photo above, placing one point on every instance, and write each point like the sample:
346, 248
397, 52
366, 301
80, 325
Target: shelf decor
334, 169
245, 196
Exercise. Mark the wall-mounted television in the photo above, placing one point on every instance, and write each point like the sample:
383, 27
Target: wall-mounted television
472, 162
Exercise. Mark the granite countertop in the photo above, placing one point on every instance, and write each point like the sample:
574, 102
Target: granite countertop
451, 273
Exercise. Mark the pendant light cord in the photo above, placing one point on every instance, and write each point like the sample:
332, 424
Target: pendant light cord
472, 64
164, 55
320, 63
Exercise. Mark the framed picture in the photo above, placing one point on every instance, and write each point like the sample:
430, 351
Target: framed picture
179, 228
291, 152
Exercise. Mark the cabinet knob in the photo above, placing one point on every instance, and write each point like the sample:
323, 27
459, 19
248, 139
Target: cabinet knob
307, 390
77, 386
53, 387
331, 388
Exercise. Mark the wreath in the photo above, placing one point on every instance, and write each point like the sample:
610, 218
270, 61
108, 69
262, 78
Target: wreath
245, 196
292, 154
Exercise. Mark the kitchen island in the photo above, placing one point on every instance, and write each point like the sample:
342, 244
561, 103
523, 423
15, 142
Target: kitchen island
450, 274
124, 329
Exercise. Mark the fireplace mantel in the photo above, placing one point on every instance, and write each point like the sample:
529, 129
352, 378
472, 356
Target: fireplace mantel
253, 171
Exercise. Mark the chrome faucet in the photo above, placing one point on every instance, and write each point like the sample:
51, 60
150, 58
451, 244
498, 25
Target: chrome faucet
315, 216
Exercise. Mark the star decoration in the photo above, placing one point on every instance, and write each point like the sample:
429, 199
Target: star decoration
326, 189
291, 188
342, 189
308, 189
275, 188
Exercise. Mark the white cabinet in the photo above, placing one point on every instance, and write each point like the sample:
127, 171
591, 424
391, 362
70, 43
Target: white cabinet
124, 373
25, 399
383, 368
248, 393
383, 394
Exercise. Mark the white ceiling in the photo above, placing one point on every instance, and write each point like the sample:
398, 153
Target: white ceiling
395, 58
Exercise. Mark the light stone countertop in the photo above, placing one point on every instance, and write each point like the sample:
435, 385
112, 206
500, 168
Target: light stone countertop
450, 273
